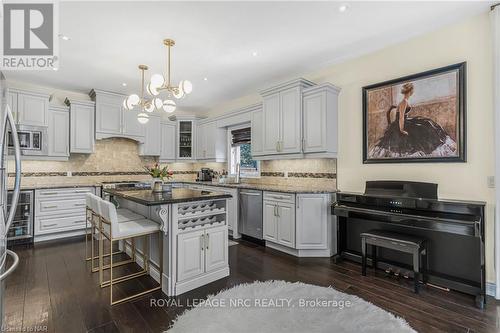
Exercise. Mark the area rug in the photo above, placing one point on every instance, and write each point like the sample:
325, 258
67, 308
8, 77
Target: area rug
279, 306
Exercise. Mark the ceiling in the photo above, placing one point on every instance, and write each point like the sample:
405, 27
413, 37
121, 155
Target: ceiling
218, 40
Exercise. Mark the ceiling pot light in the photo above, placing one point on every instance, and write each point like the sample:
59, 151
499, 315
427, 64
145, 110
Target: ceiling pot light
124, 84
205, 79
254, 53
343, 8
169, 106
142, 118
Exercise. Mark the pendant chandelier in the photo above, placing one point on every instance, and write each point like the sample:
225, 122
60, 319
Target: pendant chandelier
161, 83
146, 105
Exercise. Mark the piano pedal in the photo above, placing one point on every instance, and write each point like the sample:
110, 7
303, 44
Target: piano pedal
397, 273
406, 275
388, 271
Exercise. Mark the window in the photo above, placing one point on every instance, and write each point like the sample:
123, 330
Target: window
240, 147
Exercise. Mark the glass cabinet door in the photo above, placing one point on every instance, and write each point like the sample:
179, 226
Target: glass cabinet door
185, 139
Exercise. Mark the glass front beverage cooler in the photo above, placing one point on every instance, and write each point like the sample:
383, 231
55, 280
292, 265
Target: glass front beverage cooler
21, 230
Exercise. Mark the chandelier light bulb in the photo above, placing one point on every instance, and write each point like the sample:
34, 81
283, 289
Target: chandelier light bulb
157, 80
186, 86
125, 105
153, 91
158, 103
133, 99
142, 118
169, 106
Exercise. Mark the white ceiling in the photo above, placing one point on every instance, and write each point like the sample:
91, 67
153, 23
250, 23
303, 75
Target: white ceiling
216, 40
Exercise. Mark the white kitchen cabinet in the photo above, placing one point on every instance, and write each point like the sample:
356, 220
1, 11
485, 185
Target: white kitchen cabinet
190, 254
216, 249
168, 142
312, 221
131, 127
113, 120
320, 123
272, 124
58, 133
279, 218
200, 252
257, 132
270, 221
60, 212
81, 126
286, 224
211, 142
282, 119
152, 139
29, 108
186, 139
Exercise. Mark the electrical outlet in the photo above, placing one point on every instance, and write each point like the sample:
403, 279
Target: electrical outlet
491, 181
69, 174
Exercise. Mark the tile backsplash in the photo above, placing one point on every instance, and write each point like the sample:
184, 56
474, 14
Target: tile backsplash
118, 159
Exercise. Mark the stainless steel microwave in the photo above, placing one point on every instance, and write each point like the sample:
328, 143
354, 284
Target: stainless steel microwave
32, 140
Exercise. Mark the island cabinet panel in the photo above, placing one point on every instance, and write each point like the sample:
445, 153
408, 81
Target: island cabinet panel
312, 221
216, 249
191, 255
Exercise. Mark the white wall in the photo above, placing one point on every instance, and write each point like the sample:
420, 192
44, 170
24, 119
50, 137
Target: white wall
469, 41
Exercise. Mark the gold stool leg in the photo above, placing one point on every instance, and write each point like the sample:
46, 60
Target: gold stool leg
111, 273
101, 249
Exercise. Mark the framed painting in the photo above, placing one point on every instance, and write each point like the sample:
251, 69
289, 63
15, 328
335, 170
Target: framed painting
417, 118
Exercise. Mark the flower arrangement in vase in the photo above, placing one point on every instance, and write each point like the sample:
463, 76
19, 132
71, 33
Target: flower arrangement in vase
159, 174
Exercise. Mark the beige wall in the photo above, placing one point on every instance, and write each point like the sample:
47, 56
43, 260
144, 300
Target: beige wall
469, 41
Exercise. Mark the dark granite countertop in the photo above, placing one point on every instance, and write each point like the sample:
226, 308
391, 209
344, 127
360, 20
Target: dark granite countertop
269, 187
178, 195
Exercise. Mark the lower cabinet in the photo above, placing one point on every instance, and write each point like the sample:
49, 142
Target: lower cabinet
279, 222
299, 224
60, 212
201, 252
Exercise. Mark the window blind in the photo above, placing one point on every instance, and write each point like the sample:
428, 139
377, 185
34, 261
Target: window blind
241, 136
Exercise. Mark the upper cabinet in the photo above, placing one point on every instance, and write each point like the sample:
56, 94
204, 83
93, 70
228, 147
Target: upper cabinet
282, 119
58, 134
298, 119
81, 126
113, 120
29, 108
186, 136
211, 142
152, 140
320, 123
168, 141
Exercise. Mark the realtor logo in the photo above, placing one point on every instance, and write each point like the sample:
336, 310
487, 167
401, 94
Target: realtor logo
29, 36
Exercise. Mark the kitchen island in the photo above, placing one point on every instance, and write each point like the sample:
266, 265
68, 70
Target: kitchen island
194, 233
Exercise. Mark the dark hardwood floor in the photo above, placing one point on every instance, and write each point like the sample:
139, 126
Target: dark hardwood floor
53, 290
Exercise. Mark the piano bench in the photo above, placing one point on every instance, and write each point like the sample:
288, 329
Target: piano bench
413, 245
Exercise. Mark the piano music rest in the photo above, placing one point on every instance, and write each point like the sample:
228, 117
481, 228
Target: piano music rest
413, 245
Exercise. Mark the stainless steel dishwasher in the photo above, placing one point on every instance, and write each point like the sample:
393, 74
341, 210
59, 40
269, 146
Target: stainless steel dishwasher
250, 213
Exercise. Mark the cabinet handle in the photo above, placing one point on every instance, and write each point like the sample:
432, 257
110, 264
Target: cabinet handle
277, 146
50, 225
208, 240
78, 222
80, 205
50, 193
48, 207
202, 243
303, 145
81, 191
278, 210
281, 145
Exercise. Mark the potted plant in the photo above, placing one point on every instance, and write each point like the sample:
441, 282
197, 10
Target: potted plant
159, 174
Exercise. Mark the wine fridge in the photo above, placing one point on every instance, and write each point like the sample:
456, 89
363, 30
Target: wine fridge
21, 230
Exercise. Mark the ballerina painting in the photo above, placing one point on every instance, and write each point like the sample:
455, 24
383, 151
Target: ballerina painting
420, 118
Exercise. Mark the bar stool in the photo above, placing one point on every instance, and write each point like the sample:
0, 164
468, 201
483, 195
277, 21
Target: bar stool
90, 215
116, 231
